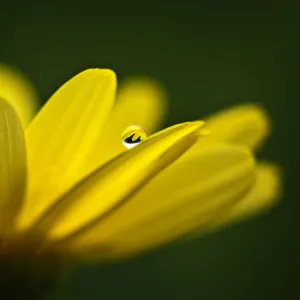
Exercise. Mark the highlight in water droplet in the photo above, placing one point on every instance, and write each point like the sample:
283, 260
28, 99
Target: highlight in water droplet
132, 136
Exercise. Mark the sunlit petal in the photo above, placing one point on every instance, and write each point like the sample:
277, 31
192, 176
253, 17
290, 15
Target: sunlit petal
62, 136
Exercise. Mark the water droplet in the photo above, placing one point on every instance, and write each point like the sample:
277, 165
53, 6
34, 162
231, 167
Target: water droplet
132, 136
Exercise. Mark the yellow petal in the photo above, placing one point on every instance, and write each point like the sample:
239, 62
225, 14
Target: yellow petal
260, 198
19, 92
246, 125
12, 163
139, 102
179, 199
110, 186
62, 136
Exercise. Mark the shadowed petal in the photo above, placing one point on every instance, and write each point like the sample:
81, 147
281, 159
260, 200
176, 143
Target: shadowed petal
12, 163
19, 92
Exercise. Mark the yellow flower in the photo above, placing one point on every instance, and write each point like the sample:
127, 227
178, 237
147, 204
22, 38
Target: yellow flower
87, 197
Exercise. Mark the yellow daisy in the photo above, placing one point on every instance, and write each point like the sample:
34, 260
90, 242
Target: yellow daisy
86, 196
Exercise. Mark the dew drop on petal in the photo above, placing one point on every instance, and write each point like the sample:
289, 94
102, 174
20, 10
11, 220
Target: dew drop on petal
132, 136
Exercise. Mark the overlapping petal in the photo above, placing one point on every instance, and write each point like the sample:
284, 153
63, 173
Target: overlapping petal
109, 187
264, 194
141, 102
179, 199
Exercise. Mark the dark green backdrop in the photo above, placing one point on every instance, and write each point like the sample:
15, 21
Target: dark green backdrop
208, 56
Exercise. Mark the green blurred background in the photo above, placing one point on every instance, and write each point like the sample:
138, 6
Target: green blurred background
209, 55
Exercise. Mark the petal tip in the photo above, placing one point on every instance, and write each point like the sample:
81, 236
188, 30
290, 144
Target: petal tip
100, 74
17, 89
275, 176
103, 72
260, 113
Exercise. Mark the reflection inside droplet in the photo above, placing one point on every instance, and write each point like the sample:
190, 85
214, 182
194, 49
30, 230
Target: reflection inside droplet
132, 136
